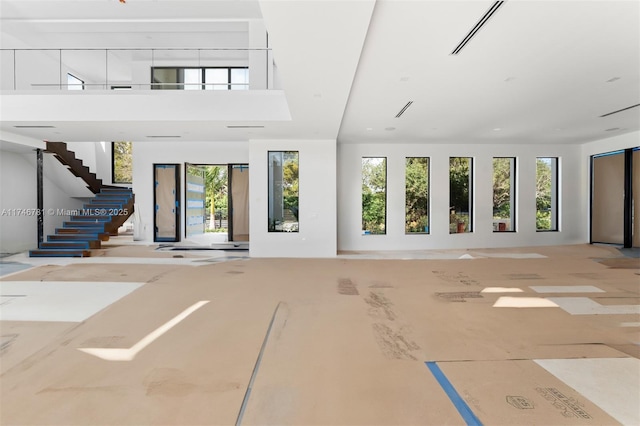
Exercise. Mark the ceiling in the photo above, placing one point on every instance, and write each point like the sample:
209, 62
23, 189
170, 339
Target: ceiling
537, 72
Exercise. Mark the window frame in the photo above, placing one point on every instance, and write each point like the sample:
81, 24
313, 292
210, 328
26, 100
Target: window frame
273, 229
180, 85
513, 193
426, 231
386, 194
555, 194
113, 164
470, 225
81, 85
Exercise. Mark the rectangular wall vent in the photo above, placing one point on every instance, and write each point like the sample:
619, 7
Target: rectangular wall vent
404, 108
620, 110
492, 10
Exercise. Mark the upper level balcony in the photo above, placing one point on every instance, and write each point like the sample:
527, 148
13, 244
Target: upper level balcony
106, 94
137, 69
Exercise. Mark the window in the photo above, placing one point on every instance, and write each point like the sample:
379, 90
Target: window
504, 194
547, 194
195, 78
283, 187
121, 167
374, 195
416, 205
74, 83
460, 194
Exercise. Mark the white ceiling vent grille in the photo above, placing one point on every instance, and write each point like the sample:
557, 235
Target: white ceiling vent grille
404, 108
492, 10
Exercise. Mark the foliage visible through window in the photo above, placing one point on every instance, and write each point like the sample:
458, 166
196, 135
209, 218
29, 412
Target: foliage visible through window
460, 191
504, 209
216, 200
283, 187
374, 195
122, 162
195, 78
416, 195
547, 194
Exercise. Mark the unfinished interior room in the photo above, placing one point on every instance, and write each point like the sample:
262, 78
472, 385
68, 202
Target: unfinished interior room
319, 212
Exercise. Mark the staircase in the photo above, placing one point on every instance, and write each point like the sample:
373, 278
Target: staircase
99, 219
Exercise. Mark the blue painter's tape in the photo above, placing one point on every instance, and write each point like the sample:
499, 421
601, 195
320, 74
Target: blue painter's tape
462, 407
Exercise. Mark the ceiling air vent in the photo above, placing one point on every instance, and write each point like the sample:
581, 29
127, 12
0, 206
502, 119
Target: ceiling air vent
164, 136
492, 10
620, 110
34, 127
245, 127
404, 108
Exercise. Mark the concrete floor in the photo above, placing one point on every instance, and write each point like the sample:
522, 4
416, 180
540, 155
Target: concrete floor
531, 336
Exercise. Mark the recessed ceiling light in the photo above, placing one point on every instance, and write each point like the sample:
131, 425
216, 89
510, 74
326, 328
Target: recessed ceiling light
497, 129
317, 95
369, 128
404, 79
508, 79
389, 128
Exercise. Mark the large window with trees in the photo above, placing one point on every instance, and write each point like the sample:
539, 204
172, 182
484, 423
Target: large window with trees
197, 78
416, 204
547, 194
374, 195
122, 164
283, 187
504, 194
460, 194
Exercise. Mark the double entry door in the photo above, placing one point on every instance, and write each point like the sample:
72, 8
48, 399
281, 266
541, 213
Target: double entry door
199, 184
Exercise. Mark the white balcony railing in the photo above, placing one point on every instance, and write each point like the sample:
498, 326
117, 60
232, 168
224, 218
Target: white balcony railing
130, 69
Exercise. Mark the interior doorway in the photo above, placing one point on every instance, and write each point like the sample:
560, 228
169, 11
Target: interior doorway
615, 197
166, 201
239, 202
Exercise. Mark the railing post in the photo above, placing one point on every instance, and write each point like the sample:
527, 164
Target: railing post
106, 69
14, 69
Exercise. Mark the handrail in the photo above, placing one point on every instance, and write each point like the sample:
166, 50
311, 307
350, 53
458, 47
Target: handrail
137, 48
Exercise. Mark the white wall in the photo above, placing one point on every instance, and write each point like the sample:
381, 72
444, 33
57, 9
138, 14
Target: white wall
19, 191
628, 140
317, 198
146, 154
572, 222
152, 106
